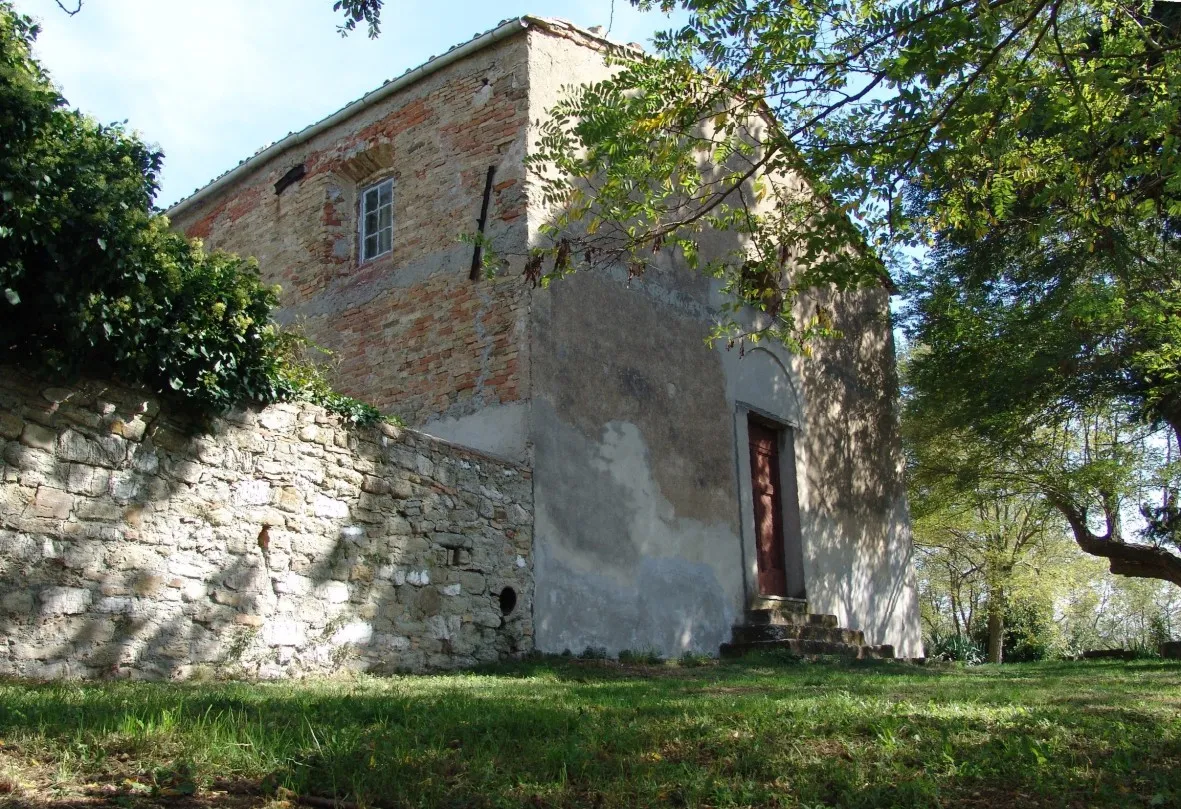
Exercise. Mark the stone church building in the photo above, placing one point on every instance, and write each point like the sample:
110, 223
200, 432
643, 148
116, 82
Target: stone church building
685, 497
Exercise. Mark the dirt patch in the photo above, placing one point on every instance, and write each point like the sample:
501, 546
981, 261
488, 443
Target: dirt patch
26, 783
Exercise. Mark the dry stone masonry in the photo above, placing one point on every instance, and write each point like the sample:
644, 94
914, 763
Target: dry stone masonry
271, 543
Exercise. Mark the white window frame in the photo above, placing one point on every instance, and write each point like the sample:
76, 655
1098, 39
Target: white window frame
375, 225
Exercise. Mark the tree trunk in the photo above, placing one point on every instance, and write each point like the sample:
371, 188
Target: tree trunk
996, 625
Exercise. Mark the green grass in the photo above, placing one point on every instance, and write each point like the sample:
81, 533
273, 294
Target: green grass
592, 733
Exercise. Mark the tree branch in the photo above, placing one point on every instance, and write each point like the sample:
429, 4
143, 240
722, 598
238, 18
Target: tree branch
1140, 561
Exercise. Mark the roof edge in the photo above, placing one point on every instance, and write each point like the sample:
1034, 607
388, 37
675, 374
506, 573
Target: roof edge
502, 31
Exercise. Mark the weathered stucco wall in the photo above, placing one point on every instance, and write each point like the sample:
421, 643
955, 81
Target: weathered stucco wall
275, 542
644, 520
858, 552
410, 332
637, 430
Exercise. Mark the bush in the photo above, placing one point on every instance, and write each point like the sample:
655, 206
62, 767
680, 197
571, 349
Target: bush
954, 648
651, 657
695, 660
92, 280
1029, 631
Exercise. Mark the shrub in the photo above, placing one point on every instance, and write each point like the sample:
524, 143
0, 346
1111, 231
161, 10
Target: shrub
1029, 632
954, 648
651, 657
91, 279
694, 660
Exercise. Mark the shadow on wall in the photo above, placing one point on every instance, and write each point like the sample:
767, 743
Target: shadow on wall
277, 543
853, 497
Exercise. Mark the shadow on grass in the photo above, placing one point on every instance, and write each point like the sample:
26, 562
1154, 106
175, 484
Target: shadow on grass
568, 733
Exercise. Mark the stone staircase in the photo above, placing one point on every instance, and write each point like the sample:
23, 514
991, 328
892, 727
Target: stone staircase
784, 624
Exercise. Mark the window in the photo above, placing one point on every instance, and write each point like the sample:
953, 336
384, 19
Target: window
377, 220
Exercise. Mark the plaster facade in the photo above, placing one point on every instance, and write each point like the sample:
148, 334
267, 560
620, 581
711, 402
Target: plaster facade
635, 430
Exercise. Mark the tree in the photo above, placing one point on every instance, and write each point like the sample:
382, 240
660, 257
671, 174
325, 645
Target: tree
868, 99
983, 546
1035, 143
358, 11
987, 547
1064, 360
94, 281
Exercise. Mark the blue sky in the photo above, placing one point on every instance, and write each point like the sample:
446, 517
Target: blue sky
211, 81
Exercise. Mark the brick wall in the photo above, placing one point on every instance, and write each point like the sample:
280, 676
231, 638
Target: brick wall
409, 331
271, 543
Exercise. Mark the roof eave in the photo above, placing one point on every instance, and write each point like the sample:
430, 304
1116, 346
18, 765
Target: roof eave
503, 31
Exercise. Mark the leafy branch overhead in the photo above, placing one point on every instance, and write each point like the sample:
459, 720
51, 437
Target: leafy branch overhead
1035, 145
836, 110
94, 282
358, 11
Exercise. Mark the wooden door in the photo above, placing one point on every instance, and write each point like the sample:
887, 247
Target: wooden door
768, 497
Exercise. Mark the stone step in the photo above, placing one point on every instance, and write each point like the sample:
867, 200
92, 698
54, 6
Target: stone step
762, 617
810, 648
798, 605
753, 633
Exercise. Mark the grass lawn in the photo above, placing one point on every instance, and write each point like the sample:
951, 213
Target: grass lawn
597, 734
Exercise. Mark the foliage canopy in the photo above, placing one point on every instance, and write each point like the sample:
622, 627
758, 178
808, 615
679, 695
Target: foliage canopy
94, 281
1033, 145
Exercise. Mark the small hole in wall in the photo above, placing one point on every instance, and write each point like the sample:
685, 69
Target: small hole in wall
508, 601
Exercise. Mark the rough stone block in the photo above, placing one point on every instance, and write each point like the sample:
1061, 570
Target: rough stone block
334, 592
284, 633
278, 420
357, 632
65, 600
132, 430
83, 479
52, 503
329, 507
101, 510
294, 584
451, 540
125, 486
115, 605
57, 395
38, 437
28, 459
251, 493
148, 584
18, 603
11, 425
107, 450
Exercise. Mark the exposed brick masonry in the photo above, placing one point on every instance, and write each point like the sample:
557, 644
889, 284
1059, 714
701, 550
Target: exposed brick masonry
409, 331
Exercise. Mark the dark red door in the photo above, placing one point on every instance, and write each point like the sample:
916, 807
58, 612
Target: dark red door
764, 477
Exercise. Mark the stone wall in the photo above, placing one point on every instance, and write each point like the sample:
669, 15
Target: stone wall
274, 542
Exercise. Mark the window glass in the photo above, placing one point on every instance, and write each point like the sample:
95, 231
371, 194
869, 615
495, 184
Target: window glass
377, 220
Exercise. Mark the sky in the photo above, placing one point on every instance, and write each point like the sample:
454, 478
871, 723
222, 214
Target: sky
212, 81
